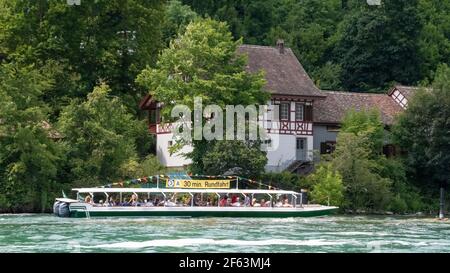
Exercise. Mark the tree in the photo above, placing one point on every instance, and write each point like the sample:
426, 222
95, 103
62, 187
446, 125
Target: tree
364, 187
202, 62
368, 124
177, 17
150, 165
434, 39
346, 44
250, 19
379, 44
358, 158
100, 136
423, 132
29, 158
226, 155
108, 40
328, 187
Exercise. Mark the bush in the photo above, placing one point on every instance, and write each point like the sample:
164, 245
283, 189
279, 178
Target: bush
149, 166
286, 181
327, 186
398, 205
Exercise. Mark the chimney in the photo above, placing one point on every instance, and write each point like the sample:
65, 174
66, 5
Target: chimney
280, 46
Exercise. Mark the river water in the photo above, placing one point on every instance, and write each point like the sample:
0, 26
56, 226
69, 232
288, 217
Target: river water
47, 233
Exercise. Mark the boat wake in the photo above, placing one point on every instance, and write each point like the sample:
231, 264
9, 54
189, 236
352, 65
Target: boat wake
209, 242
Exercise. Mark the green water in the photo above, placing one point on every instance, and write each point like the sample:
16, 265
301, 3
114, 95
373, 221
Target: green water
46, 233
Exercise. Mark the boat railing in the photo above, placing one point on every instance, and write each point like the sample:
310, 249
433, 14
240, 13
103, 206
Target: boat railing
192, 193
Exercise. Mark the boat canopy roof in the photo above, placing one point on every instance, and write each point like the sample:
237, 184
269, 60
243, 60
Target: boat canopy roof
184, 190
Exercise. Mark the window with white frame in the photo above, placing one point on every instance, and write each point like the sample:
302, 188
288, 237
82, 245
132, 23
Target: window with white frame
299, 110
284, 111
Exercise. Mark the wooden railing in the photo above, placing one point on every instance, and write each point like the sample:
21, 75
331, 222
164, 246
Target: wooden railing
289, 127
274, 127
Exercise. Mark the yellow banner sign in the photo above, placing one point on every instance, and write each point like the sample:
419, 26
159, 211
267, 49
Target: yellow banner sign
198, 184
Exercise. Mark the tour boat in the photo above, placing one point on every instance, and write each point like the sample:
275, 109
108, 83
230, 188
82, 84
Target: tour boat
294, 206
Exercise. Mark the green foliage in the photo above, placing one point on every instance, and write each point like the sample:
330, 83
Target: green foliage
346, 44
111, 40
328, 187
149, 166
328, 76
177, 17
372, 181
406, 197
367, 124
422, 132
434, 40
365, 188
203, 62
225, 155
286, 180
100, 136
28, 157
379, 44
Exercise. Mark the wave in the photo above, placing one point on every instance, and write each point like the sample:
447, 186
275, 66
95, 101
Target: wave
197, 242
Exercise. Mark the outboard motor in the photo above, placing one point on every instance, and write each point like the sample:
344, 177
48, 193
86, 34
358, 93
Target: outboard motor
64, 210
56, 208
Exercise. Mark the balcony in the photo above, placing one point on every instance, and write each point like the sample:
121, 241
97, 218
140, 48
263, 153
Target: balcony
289, 127
272, 127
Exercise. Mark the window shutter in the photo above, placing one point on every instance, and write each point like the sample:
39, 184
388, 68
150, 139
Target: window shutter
308, 113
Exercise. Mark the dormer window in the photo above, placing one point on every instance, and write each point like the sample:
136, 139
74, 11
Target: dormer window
400, 99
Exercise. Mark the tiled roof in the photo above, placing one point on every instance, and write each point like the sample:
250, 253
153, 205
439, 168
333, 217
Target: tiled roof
336, 104
284, 73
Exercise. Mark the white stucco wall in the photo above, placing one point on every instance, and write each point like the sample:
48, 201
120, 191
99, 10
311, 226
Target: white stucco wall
164, 157
283, 151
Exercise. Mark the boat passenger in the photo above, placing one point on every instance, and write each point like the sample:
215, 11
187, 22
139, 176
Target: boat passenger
133, 200
197, 201
223, 201
88, 199
279, 204
236, 203
263, 203
148, 203
286, 203
255, 204
233, 199
208, 202
228, 202
247, 201
170, 203
111, 202
159, 203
